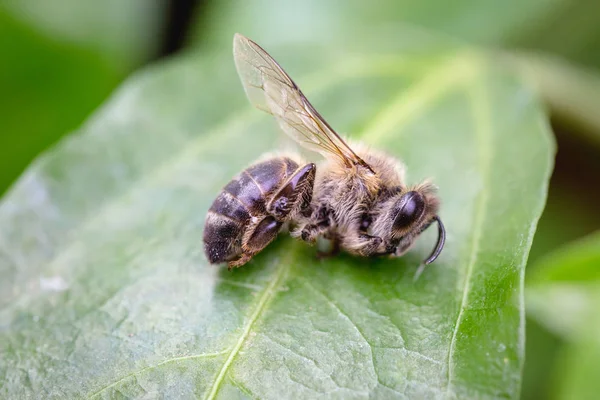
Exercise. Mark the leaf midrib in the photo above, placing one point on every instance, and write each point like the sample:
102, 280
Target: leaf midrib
265, 298
483, 131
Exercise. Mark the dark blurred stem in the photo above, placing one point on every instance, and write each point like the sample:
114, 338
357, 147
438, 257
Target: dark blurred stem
179, 17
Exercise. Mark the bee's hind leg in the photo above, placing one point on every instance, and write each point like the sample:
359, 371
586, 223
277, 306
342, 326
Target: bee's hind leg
255, 240
243, 259
294, 195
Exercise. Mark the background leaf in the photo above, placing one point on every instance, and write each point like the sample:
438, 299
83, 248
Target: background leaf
563, 291
512, 24
569, 91
563, 295
124, 35
107, 292
60, 60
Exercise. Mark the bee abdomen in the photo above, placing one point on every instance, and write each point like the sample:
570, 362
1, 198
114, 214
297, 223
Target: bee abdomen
222, 237
224, 228
270, 174
240, 200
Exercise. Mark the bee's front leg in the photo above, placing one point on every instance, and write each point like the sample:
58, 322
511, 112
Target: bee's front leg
363, 244
404, 245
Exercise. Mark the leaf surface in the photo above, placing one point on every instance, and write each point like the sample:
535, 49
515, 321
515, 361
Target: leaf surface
564, 295
106, 292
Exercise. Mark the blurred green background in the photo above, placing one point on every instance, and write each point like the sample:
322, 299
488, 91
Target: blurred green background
62, 58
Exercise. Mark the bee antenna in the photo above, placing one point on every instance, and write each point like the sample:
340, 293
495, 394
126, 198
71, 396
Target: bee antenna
440, 242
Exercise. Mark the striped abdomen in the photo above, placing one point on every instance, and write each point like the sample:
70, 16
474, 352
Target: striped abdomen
242, 200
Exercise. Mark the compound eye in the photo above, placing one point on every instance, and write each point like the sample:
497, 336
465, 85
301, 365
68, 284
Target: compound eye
410, 211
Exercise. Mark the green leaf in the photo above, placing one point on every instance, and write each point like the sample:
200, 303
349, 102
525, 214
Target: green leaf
125, 35
541, 350
47, 89
60, 60
508, 24
577, 375
578, 261
569, 91
106, 292
564, 291
564, 295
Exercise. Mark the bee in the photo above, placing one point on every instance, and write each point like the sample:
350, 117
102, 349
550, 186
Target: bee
357, 197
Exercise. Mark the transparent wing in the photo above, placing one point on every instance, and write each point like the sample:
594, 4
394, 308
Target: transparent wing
270, 89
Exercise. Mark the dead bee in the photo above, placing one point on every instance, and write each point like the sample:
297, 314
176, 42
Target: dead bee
357, 199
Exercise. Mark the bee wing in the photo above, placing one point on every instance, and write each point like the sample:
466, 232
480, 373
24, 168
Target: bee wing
271, 89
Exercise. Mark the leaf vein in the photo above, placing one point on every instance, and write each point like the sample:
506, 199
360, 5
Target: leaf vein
267, 295
481, 107
339, 310
151, 367
243, 388
302, 356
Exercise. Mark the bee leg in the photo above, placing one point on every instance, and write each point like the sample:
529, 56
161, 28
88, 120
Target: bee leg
310, 232
294, 195
257, 239
364, 244
404, 245
243, 259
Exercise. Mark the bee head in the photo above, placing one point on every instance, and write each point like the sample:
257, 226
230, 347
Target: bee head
412, 213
